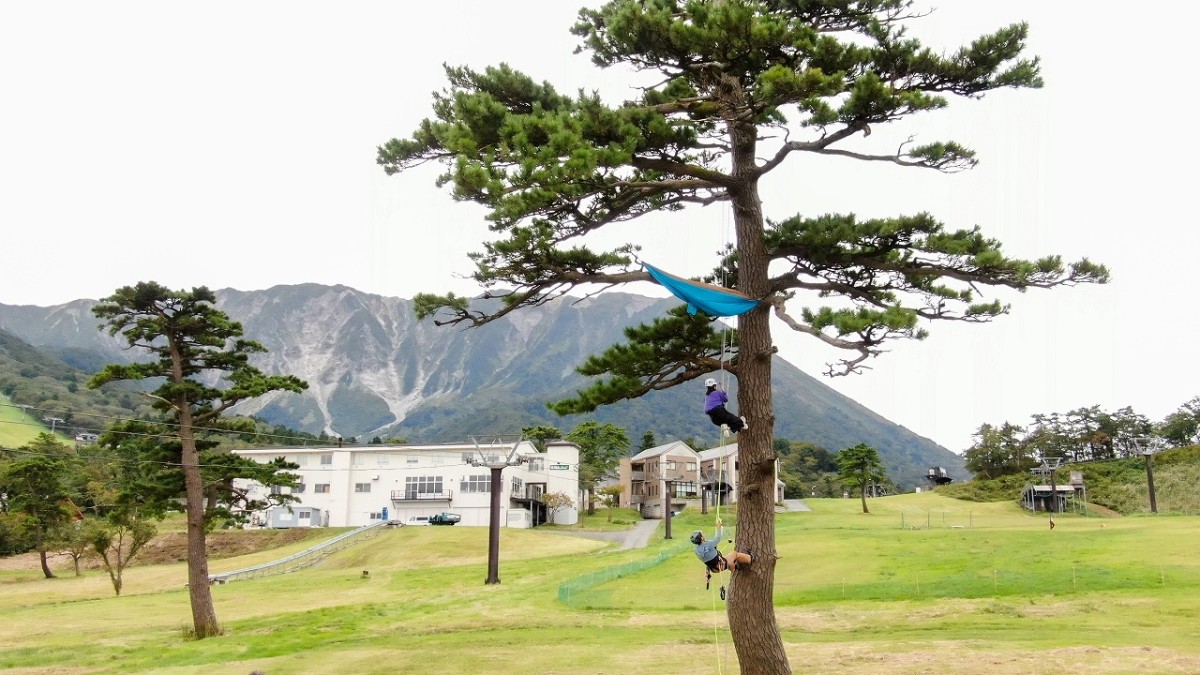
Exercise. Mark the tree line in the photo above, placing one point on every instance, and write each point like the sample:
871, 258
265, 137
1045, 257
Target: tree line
1080, 435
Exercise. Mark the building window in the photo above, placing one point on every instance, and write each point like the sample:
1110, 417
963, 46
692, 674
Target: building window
683, 489
326, 460
412, 460
467, 457
362, 487
691, 466
300, 460
536, 465
383, 458
359, 459
670, 465
415, 486
517, 485
376, 515
321, 488
478, 483
276, 489
305, 515
298, 489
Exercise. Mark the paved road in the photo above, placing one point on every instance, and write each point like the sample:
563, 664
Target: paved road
636, 537
796, 505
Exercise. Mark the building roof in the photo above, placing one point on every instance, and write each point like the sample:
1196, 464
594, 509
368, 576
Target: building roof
674, 447
524, 446
716, 453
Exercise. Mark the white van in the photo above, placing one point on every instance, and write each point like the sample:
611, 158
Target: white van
416, 521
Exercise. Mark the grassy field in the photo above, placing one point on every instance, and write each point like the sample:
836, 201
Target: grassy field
16, 426
981, 588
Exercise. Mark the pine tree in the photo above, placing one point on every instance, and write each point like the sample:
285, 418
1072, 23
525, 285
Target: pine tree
189, 339
730, 91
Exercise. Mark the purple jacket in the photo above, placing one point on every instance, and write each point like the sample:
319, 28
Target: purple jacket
714, 399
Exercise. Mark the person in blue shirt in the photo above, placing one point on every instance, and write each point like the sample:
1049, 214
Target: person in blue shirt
714, 406
707, 552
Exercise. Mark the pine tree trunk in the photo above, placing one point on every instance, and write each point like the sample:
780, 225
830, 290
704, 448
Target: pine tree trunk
204, 615
751, 605
45, 564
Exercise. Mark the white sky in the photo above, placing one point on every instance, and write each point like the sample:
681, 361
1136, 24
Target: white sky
232, 144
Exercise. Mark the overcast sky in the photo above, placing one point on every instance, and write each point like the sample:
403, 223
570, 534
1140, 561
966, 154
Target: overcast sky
232, 144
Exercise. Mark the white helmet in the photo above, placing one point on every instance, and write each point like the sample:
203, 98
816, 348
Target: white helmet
710, 382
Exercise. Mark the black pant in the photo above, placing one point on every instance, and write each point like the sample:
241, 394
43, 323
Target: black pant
719, 415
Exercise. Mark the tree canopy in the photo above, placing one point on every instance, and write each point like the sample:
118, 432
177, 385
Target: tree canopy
728, 91
601, 447
860, 468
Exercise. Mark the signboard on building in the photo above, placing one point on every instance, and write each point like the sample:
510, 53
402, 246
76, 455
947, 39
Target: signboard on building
560, 467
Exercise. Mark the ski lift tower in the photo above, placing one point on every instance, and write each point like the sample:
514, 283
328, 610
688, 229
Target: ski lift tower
497, 452
1051, 465
1148, 446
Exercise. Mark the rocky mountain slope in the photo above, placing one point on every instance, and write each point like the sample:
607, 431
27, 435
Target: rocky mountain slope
374, 370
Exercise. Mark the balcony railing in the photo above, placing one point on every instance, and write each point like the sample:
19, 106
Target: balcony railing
638, 475
414, 496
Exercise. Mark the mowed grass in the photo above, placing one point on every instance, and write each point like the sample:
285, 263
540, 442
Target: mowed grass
17, 427
1001, 594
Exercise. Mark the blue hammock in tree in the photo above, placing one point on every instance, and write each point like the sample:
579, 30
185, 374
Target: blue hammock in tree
712, 300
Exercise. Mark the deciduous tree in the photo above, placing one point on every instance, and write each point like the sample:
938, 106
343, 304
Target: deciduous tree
195, 349
601, 447
729, 91
117, 540
555, 502
611, 496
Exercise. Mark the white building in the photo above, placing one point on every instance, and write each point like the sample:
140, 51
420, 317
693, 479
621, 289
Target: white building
356, 485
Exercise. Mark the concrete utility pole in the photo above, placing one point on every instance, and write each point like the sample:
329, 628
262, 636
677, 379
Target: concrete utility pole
497, 466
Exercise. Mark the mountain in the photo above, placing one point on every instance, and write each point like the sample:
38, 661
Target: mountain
373, 369
50, 388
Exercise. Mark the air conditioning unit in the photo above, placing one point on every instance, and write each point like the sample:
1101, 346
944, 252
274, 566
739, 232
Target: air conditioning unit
375, 477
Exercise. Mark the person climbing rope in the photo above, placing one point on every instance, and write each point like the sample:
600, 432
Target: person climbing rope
707, 552
714, 406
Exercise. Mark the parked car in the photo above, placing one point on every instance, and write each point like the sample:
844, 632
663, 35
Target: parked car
444, 518
416, 521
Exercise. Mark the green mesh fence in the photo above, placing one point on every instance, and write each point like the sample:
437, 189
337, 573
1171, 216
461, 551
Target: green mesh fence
584, 592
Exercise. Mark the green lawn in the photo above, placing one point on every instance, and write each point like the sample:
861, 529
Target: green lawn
16, 426
984, 588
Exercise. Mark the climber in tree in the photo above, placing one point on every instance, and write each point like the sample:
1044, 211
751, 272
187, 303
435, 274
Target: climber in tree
707, 552
714, 406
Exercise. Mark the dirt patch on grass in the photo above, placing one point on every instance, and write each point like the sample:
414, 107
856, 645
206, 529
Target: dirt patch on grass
171, 547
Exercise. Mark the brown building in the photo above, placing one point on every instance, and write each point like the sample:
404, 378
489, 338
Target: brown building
647, 475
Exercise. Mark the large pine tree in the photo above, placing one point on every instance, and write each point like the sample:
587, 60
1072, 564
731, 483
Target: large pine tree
740, 87
189, 341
